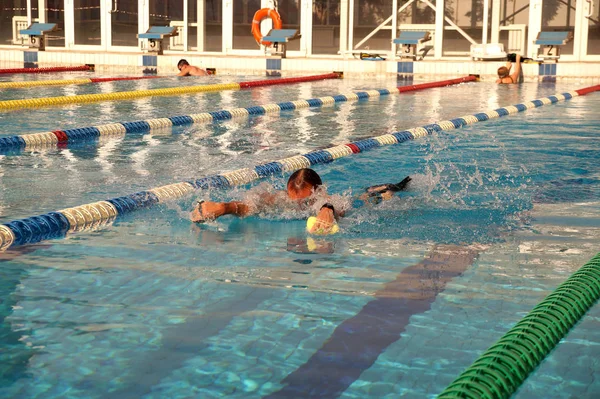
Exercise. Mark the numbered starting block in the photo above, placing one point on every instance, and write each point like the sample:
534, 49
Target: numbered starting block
550, 44
156, 35
412, 43
37, 34
280, 38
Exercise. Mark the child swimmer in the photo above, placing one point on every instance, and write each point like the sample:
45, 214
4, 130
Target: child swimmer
304, 191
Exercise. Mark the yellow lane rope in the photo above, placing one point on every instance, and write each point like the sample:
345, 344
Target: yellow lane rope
36, 83
125, 95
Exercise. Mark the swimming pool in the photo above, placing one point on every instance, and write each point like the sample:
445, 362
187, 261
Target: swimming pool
154, 306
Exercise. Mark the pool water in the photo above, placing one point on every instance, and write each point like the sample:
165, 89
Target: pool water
397, 304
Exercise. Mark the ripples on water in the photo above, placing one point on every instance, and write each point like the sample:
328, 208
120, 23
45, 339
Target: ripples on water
157, 306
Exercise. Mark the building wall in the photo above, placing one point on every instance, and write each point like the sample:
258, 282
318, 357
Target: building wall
328, 27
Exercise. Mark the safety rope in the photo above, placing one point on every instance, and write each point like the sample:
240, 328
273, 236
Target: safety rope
90, 216
48, 69
65, 82
36, 141
174, 91
501, 369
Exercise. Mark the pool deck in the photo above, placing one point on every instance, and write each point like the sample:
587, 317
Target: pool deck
111, 63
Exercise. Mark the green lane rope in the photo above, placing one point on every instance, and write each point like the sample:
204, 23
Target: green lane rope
498, 372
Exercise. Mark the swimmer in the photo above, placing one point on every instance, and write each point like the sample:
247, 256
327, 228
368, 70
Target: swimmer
504, 75
185, 69
304, 188
304, 191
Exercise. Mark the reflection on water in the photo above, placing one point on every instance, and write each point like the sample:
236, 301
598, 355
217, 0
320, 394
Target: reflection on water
397, 304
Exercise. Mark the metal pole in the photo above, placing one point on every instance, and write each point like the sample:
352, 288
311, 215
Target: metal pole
486, 11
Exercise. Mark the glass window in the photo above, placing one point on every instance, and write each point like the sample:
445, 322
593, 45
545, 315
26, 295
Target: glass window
168, 13
55, 14
213, 33
468, 16
13, 17
124, 23
514, 18
416, 13
559, 15
243, 11
368, 15
162, 13
290, 12
87, 22
593, 46
326, 27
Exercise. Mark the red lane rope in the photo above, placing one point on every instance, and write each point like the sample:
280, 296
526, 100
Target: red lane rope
583, 92
271, 82
441, 83
47, 70
61, 136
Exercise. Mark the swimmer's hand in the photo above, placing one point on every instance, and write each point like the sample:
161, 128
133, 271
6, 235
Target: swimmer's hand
324, 223
206, 211
384, 192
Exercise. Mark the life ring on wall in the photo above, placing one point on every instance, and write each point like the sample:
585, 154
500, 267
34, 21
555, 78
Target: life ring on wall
258, 18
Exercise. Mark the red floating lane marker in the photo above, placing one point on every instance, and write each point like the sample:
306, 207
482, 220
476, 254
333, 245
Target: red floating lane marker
354, 148
587, 90
441, 83
100, 80
46, 70
272, 82
61, 136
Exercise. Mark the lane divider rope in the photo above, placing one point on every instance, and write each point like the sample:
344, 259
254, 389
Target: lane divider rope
47, 70
501, 369
58, 224
36, 141
64, 82
173, 91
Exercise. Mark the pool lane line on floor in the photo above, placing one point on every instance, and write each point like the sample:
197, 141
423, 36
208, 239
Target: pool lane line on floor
90, 216
501, 369
357, 342
172, 91
65, 82
44, 140
46, 70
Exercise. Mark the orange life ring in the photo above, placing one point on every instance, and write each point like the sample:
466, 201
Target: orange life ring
258, 17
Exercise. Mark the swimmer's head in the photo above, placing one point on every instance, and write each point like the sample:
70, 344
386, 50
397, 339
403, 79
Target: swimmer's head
502, 72
302, 183
182, 63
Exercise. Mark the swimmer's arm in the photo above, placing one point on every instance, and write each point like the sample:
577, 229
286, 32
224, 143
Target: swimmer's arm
209, 210
515, 75
185, 70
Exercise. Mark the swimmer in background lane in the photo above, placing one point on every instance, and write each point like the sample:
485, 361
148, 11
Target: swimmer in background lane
504, 75
304, 192
185, 69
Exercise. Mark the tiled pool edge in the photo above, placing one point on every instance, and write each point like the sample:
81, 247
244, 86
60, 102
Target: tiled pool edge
257, 65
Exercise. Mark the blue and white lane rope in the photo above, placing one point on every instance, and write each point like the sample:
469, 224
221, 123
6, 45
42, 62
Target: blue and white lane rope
52, 139
90, 216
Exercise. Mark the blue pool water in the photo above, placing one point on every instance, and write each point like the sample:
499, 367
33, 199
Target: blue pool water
396, 305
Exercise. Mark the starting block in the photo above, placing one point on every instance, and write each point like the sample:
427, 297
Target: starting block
156, 35
280, 38
550, 43
412, 43
37, 34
